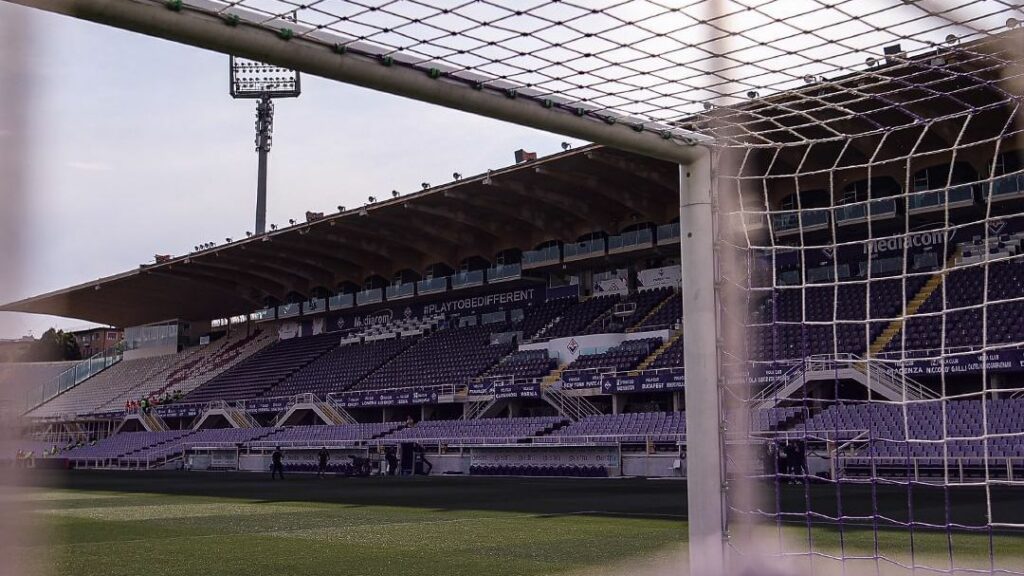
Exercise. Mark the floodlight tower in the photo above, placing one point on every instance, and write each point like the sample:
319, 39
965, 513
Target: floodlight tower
263, 82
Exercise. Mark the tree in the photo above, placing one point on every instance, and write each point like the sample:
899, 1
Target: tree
54, 346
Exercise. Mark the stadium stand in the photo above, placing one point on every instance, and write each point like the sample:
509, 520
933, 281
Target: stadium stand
634, 427
446, 357
260, 373
193, 367
342, 367
100, 390
523, 365
578, 317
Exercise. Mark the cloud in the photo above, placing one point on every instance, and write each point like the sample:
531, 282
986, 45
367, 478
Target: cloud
89, 166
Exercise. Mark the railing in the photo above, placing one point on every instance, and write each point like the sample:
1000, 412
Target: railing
504, 272
549, 255
1010, 185
369, 296
631, 240
807, 219
73, 376
341, 301
876, 373
404, 290
584, 249
881, 208
575, 407
668, 233
467, 279
929, 199
432, 285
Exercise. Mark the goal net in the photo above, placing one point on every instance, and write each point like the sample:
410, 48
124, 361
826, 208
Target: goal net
873, 259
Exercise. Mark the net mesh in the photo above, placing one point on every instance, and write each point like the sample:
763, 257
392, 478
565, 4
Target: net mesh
874, 328
665, 61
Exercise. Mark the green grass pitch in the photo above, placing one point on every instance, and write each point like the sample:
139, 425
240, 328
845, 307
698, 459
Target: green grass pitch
176, 523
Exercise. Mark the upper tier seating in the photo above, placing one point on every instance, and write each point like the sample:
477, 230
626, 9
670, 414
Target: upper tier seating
577, 318
964, 288
537, 317
261, 372
667, 316
449, 356
341, 368
628, 311
195, 366
626, 356
785, 325
523, 365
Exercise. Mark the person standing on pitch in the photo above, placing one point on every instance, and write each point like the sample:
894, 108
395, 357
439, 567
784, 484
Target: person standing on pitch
322, 457
276, 466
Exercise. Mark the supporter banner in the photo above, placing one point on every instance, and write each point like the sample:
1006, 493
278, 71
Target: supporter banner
764, 374
288, 330
995, 361
507, 300
570, 291
318, 326
176, 411
612, 286
504, 391
656, 382
263, 405
574, 379
406, 397
659, 277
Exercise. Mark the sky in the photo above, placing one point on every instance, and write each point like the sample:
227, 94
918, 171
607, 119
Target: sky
134, 148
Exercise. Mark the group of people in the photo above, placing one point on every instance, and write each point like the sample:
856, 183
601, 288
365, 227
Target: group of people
361, 466
152, 401
787, 458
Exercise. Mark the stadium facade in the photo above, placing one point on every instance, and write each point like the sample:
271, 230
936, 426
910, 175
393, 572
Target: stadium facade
528, 320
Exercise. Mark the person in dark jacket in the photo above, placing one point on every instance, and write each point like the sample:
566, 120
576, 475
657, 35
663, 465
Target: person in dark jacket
276, 464
322, 457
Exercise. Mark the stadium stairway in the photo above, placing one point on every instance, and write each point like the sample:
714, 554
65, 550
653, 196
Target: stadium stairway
554, 376
915, 303
653, 312
646, 362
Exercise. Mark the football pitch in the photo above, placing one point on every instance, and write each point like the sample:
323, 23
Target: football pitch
175, 523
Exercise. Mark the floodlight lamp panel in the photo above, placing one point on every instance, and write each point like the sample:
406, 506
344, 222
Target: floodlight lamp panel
253, 79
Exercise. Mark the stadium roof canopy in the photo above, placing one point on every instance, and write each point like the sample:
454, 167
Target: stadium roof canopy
561, 197
565, 196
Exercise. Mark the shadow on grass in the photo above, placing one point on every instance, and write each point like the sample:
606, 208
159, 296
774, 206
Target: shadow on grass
551, 497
